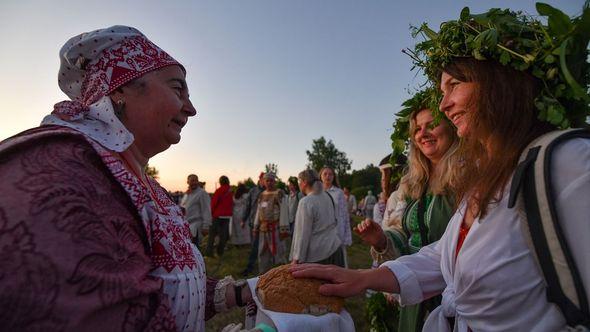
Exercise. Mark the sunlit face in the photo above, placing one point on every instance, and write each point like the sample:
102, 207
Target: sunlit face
156, 112
261, 180
432, 142
269, 183
192, 181
457, 102
327, 177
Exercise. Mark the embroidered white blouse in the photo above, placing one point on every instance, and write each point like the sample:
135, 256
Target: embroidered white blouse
341, 215
495, 284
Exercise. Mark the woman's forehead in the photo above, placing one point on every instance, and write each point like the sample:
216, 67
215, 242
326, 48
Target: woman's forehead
173, 72
445, 78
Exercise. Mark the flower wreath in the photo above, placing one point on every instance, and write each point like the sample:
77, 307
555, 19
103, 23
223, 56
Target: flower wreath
555, 53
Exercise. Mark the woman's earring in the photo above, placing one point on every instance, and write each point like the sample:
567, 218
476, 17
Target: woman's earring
119, 108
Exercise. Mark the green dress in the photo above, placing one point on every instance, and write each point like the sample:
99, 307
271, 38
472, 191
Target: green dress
438, 210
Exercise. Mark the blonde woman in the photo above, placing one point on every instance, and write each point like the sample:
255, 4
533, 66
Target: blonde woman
426, 189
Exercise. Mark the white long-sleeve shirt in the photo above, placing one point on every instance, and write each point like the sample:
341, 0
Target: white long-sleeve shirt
315, 236
495, 284
342, 215
198, 208
394, 211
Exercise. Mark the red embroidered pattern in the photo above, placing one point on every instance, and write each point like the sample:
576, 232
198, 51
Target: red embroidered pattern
132, 58
168, 233
69, 235
70, 110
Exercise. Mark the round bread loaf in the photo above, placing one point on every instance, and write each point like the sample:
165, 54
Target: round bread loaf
278, 291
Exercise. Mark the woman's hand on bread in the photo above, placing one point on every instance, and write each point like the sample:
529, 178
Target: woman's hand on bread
341, 282
346, 282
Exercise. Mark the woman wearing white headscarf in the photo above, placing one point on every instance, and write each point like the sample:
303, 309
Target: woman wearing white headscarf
96, 243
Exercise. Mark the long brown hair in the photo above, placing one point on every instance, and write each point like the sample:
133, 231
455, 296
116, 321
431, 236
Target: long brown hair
503, 122
335, 182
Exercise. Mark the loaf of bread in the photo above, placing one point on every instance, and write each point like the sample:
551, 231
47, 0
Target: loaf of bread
278, 291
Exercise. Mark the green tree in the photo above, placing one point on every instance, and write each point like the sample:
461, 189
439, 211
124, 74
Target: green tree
249, 183
363, 180
324, 153
151, 171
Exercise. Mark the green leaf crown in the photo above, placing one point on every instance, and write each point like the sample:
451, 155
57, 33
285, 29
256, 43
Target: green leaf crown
555, 53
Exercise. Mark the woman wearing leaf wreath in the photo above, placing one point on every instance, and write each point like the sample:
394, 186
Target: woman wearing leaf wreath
88, 241
482, 265
426, 192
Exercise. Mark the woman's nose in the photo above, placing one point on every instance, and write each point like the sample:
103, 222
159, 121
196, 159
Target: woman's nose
445, 104
422, 131
189, 108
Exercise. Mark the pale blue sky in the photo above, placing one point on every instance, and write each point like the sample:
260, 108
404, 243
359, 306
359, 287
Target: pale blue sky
267, 77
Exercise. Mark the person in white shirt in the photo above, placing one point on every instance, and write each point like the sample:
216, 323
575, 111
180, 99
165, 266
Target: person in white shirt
239, 230
315, 238
331, 186
350, 202
368, 204
197, 205
379, 208
482, 265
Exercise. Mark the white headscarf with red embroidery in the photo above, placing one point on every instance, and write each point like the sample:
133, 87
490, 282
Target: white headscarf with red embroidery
93, 65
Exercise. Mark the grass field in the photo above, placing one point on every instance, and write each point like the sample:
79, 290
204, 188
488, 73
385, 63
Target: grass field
234, 261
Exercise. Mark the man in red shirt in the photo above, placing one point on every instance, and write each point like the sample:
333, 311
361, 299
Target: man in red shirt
221, 211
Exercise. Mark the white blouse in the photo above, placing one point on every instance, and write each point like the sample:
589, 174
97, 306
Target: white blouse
495, 284
341, 215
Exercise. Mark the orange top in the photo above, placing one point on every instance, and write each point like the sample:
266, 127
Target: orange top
462, 235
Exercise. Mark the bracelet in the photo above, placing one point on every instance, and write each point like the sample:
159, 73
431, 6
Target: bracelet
387, 246
219, 297
238, 286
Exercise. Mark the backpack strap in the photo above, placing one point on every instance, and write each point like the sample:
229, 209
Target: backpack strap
334, 206
533, 178
332, 200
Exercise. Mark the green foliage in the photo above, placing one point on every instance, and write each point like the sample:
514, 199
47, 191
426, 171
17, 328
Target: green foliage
345, 180
368, 178
249, 183
282, 185
324, 153
381, 315
360, 192
555, 53
151, 171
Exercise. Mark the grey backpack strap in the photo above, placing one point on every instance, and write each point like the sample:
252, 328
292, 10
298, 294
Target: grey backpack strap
532, 178
333, 205
332, 199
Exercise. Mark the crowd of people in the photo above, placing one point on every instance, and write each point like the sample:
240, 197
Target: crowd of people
90, 242
309, 223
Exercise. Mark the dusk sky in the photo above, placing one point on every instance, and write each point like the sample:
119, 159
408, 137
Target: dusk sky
266, 76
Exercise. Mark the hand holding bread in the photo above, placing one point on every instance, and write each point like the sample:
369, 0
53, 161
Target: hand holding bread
279, 291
